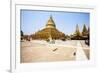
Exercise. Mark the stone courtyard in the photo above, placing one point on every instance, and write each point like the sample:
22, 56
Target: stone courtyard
42, 51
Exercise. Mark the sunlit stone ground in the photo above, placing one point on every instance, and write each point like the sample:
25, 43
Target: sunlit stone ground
42, 51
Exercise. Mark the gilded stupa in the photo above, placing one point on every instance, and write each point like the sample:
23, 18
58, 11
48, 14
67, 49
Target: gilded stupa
50, 31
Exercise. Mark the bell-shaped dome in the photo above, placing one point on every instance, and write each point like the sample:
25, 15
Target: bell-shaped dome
50, 23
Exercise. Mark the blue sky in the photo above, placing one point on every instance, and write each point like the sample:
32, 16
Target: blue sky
32, 21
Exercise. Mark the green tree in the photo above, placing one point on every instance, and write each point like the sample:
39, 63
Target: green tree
22, 33
84, 31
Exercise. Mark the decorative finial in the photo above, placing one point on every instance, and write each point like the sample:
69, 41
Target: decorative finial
50, 16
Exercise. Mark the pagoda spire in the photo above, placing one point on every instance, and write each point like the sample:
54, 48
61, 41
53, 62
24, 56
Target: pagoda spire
50, 16
50, 23
77, 32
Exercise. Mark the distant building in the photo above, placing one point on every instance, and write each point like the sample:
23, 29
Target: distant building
80, 35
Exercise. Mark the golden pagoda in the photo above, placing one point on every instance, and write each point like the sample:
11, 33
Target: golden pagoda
49, 31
